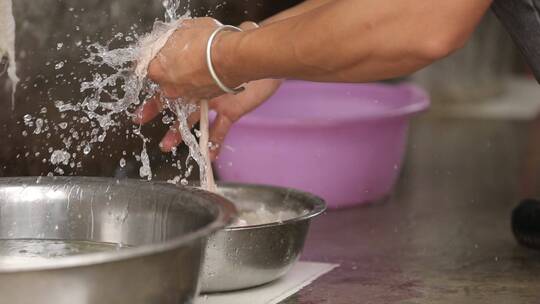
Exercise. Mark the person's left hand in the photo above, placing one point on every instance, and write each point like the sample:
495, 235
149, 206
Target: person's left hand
229, 109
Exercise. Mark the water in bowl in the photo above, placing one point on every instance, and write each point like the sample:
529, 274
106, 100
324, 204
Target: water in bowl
14, 252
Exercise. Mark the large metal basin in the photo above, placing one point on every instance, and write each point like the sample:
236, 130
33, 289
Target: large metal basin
248, 256
168, 227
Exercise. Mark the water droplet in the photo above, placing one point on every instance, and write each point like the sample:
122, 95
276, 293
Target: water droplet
59, 65
167, 119
27, 118
60, 157
39, 125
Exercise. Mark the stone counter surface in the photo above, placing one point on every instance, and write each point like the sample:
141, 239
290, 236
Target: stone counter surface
444, 235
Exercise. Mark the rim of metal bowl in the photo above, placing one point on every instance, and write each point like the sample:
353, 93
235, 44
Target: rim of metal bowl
318, 205
226, 212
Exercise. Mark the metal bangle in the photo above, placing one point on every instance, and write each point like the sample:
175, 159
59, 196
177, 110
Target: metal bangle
211, 69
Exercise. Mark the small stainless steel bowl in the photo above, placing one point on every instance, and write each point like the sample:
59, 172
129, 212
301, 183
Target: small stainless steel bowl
166, 225
248, 256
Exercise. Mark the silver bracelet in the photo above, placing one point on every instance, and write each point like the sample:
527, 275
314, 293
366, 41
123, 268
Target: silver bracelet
211, 69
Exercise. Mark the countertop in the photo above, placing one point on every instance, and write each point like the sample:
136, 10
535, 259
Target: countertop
444, 235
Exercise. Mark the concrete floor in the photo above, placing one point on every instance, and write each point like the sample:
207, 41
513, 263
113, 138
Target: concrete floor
444, 235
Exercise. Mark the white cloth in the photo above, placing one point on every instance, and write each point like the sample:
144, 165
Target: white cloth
301, 275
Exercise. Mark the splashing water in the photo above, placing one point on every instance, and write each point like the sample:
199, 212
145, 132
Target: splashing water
171, 7
103, 103
7, 43
182, 111
117, 86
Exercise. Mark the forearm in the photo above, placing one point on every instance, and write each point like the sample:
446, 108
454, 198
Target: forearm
299, 9
351, 40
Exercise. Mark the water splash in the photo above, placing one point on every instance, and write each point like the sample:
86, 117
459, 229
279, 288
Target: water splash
182, 111
116, 87
171, 9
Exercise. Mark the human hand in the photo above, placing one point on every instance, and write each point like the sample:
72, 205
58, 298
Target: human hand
180, 67
229, 109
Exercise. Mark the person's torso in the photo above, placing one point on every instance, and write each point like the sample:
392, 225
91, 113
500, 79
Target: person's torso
522, 20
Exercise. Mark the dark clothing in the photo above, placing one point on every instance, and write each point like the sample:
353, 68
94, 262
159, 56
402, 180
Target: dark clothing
522, 20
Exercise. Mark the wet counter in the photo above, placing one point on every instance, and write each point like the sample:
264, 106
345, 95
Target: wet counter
444, 235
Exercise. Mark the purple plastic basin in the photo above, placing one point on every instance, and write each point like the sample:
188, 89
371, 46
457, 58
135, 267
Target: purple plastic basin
343, 142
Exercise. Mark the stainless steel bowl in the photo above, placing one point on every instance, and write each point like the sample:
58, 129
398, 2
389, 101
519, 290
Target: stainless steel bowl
166, 226
243, 257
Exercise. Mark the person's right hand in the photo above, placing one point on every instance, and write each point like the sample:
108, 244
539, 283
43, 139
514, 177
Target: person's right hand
180, 67
229, 108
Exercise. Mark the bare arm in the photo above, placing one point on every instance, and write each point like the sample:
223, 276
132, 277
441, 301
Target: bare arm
321, 40
350, 41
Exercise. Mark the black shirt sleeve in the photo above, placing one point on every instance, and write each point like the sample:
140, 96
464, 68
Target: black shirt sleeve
522, 20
